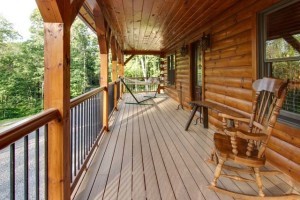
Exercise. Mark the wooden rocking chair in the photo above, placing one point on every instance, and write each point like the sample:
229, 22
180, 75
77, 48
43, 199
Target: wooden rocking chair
246, 148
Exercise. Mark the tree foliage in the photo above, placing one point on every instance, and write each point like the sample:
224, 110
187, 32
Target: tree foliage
143, 66
22, 66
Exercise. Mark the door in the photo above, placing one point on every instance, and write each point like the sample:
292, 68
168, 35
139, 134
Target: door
196, 67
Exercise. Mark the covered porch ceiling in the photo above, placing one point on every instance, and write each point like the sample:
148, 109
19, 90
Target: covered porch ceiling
154, 25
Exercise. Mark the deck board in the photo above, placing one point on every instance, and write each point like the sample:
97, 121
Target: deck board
148, 155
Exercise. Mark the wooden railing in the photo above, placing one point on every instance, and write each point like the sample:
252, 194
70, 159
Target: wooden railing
30, 137
86, 129
26, 142
139, 88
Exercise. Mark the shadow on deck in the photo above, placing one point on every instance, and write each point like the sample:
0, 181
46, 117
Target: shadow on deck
148, 155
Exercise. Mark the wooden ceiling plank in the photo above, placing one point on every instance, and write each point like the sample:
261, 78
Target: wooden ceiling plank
200, 16
137, 20
216, 8
162, 18
117, 24
120, 19
156, 9
107, 12
185, 11
128, 9
146, 15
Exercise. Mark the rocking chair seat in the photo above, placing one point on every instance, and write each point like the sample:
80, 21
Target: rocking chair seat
224, 149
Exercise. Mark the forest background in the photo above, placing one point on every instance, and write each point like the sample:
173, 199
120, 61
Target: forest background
22, 66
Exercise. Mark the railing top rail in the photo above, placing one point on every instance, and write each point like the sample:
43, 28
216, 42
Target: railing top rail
21, 130
77, 100
111, 83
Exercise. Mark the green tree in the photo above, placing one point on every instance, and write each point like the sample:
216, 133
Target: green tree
143, 66
21, 68
84, 59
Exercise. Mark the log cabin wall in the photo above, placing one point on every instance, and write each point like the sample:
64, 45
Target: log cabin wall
182, 78
230, 66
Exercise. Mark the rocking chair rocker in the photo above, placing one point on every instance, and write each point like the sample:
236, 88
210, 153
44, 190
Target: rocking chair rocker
247, 148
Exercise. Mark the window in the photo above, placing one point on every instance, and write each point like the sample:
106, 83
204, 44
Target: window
280, 53
196, 69
171, 69
198, 65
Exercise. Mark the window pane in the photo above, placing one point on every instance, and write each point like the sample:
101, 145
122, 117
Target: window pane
282, 48
289, 70
198, 64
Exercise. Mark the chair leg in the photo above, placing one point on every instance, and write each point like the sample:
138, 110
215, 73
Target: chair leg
258, 182
218, 171
214, 157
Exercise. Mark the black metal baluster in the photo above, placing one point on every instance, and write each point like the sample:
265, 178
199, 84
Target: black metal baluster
37, 164
75, 139
26, 189
71, 143
85, 130
46, 161
95, 117
12, 171
88, 126
90, 123
79, 136
82, 131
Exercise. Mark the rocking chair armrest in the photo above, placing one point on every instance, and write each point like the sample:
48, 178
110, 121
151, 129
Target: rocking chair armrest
233, 132
241, 118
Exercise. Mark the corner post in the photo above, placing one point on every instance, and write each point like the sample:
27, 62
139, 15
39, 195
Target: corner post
104, 83
57, 95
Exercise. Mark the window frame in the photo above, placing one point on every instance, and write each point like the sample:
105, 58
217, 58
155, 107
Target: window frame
286, 117
171, 69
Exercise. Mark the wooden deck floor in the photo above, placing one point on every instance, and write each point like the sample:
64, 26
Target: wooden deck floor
148, 155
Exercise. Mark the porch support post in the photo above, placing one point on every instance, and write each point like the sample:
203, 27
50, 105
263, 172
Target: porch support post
58, 16
57, 95
121, 68
102, 35
104, 83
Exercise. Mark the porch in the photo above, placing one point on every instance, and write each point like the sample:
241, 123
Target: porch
148, 155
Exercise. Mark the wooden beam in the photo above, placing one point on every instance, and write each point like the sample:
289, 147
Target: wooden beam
51, 11
59, 11
133, 52
293, 42
113, 48
75, 7
100, 30
57, 95
128, 59
114, 74
114, 58
120, 55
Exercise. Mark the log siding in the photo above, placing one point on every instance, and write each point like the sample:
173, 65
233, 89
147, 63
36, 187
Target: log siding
230, 68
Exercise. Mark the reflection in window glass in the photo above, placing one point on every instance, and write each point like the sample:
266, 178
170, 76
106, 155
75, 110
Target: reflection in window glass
280, 48
289, 70
280, 57
198, 64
